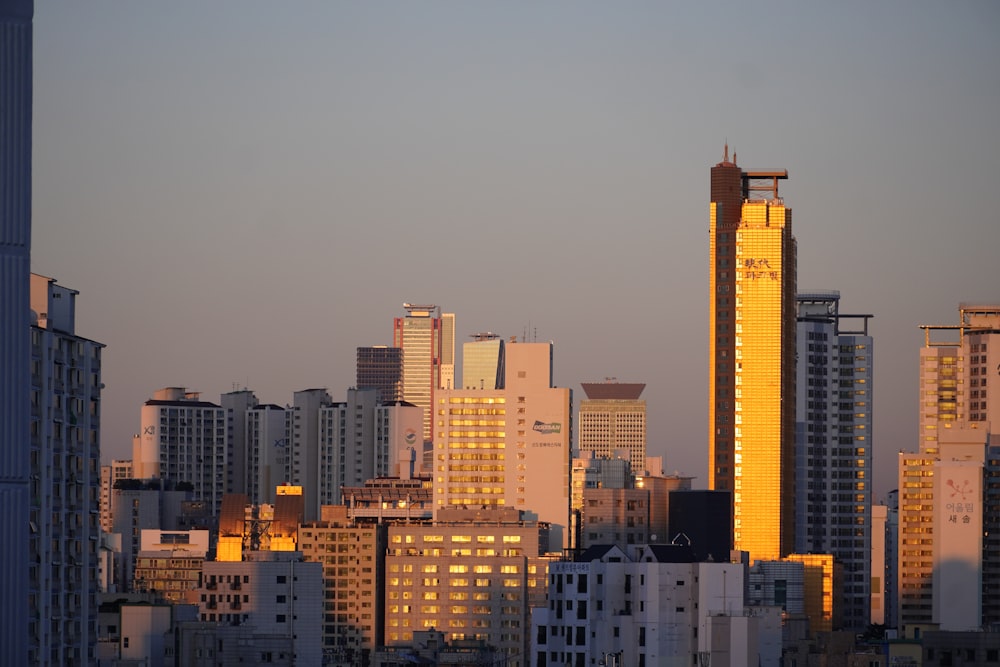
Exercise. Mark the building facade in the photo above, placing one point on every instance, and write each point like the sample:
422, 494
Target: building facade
381, 367
185, 439
483, 362
752, 283
833, 445
613, 418
508, 447
15, 267
65, 480
425, 335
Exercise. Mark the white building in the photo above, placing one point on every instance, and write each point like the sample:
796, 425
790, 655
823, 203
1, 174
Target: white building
185, 439
302, 450
110, 474
653, 606
508, 447
361, 439
265, 457
275, 592
65, 480
833, 445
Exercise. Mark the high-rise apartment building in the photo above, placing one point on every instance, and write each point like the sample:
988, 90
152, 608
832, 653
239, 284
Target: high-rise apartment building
427, 339
613, 418
944, 507
381, 367
508, 447
15, 269
302, 450
65, 481
483, 362
185, 439
833, 445
237, 404
752, 258
265, 458
361, 439
110, 474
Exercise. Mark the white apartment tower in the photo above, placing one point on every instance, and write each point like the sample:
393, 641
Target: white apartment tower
508, 447
302, 449
65, 481
185, 439
833, 444
15, 271
265, 457
361, 439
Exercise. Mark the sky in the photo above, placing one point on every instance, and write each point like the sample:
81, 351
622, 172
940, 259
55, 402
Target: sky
245, 192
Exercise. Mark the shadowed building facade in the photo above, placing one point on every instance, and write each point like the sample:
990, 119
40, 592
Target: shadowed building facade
752, 280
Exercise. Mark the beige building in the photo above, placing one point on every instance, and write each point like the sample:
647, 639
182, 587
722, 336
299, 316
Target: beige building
351, 555
613, 419
508, 447
473, 574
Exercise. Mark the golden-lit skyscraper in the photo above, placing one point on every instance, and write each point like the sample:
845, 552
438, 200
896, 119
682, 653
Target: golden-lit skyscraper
427, 338
752, 356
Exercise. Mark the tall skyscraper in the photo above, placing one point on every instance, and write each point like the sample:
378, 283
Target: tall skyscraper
942, 489
508, 447
381, 367
428, 341
613, 417
65, 481
483, 362
15, 272
833, 447
752, 259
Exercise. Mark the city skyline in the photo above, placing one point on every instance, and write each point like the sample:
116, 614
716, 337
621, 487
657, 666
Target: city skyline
245, 196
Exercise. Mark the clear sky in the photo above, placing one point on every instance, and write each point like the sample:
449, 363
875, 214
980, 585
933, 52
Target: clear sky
245, 192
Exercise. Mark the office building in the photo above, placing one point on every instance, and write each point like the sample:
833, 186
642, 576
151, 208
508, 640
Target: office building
508, 447
65, 480
613, 418
381, 367
833, 445
700, 519
958, 408
752, 284
15, 350
473, 573
425, 335
169, 562
483, 362
185, 439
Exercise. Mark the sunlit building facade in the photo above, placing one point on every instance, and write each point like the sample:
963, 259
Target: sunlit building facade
508, 447
752, 256
483, 362
833, 431
959, 387
427, 339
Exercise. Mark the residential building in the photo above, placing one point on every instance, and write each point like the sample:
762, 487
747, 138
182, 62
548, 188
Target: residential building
613, 418
381, 367
276, 593
238, 404
15, 346
185, 439
352, 555
752, 259
483, 362
110, 474
424, 335
651, 605
508, 447
833, 445
169, 562
361, 439
302, 448
65, 428
266, 448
